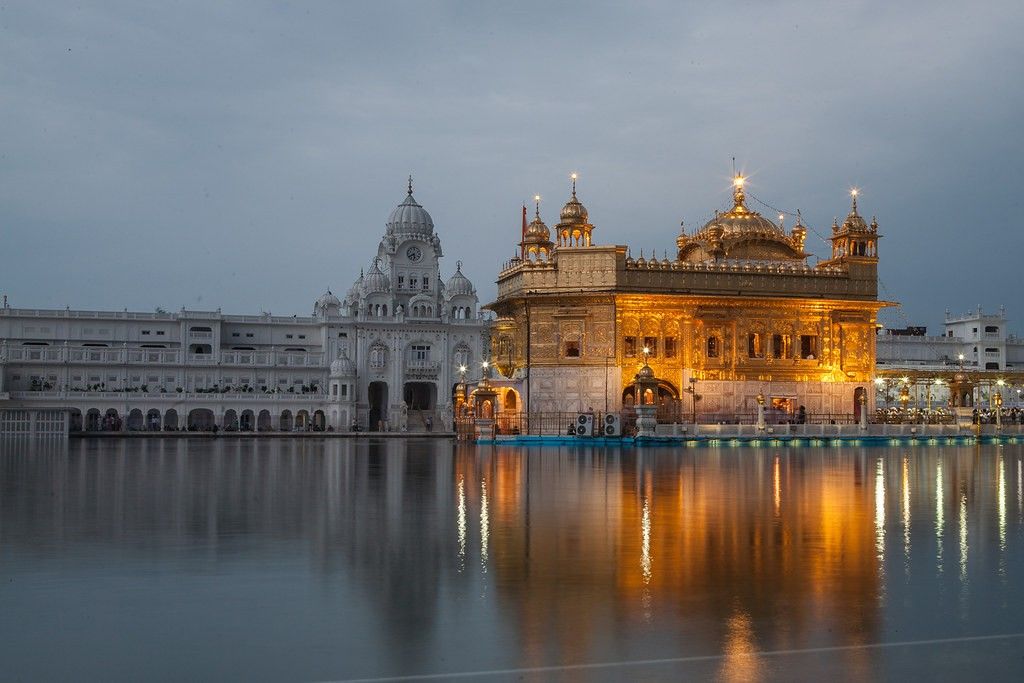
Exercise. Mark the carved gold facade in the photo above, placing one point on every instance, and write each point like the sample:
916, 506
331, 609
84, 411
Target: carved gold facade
738, 312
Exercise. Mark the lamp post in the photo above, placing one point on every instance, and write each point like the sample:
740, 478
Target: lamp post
693, 396
997, 403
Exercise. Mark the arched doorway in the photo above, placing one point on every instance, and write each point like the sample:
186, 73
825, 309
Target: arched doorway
285, 424
153, 420
302, 420
92, 420
111, 421
171, 420
319, 421
135, 420
858, 395
248, 421
75, 421
230, 423
200, 420
263, 421
378, 395
420, 395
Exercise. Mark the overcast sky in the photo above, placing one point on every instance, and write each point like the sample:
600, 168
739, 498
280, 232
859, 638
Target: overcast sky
245, 155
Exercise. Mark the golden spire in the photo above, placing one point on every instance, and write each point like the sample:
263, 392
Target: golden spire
738, 196
853, 195
573, 176
536, 199
410, 185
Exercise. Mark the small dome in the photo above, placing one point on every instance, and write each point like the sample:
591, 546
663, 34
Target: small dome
646, 372
536, 231
343, 367
574, 211
854, 221
376, 281
459, 284
355, 290
410, 218
327, 299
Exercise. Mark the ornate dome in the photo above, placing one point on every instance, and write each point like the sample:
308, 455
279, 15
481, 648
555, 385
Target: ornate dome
574, 211
740, 234
355, 290
459, 284
327, 299
410, 218
536, 231
854, 221
343, 367
376, 281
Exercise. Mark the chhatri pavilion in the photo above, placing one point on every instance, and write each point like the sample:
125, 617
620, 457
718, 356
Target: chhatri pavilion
737, 314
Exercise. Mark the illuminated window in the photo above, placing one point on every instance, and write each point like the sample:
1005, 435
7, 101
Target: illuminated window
782, 346
808, 346
670, 347
755, 345
629, 347
714, 347
651, 344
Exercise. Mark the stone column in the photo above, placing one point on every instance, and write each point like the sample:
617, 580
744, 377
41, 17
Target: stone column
760, 412
646, 419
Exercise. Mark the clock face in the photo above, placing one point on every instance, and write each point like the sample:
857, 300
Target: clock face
414, 253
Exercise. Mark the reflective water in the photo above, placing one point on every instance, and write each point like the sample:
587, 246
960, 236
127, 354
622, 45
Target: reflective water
327, 560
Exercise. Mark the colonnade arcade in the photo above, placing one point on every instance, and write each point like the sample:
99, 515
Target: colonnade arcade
924, 392
155, 419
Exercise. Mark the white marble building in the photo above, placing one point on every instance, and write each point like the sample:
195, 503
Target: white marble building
387, 356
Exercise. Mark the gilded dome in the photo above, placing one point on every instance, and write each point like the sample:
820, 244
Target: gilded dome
536, 231
854, 221
740, 234
573, 211
410, 218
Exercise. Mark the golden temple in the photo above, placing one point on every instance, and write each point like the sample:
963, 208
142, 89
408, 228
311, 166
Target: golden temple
739, 312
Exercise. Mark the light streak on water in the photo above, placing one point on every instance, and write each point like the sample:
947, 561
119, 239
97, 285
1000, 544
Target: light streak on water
940, 522
460, 523
906, 511
777, 481
963, 537
485, 525
645, 542
880, 511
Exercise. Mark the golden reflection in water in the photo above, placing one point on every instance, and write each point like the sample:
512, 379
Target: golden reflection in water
645, 541
460, 523
485, 525
1001, 500
906, 513
880, 512
741, 662
940, 522
963, 537
777, 484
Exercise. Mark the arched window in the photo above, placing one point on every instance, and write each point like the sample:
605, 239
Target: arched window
378, 356
714, 347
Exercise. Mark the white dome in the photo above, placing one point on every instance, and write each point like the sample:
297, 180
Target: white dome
459, 284
343, 367
410, 218
376, 281
327, 299
354, 291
